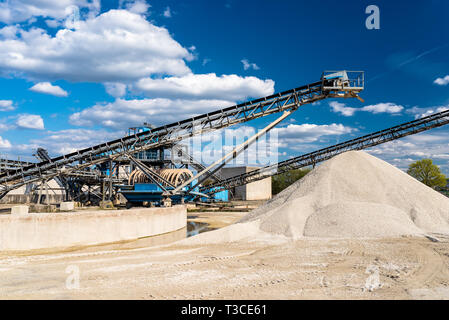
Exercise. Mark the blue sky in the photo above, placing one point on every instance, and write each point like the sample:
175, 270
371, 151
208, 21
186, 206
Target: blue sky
78, 72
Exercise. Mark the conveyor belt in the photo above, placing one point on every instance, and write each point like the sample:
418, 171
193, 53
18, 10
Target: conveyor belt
171, 133
406, 129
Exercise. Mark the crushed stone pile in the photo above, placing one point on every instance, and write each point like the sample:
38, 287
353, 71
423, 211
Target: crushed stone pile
353, 195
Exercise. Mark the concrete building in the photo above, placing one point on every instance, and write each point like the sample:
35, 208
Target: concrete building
22, 195
259, 190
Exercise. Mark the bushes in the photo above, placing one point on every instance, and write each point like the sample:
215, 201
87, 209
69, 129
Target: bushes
282, 181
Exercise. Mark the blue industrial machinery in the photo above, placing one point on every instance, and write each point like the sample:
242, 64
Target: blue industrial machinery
152, 194
170, 134
145, 145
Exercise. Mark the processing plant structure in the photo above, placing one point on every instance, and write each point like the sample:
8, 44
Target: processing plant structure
149, 166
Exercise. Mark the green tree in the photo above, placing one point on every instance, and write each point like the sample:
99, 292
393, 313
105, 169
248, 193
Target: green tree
283, 180
428, 173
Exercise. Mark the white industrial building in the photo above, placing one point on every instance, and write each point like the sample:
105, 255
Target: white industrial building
259, 190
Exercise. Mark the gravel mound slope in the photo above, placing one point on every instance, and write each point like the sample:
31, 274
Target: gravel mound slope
354, 195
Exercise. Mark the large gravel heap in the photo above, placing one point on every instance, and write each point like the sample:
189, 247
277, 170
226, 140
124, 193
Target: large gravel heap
354, 195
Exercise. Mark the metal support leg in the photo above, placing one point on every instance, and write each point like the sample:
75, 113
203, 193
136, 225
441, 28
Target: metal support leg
233, 154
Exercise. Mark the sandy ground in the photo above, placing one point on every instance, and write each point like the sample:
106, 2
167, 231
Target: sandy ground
404, 268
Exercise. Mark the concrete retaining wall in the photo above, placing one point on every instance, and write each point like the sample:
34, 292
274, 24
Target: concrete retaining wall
60, 230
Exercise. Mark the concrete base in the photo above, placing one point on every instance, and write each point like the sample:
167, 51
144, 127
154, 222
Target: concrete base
106, 205
166, 202
69, 229
19, 210
42, 208
67, 206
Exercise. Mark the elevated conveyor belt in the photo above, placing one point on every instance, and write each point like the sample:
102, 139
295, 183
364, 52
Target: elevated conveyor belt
406, 129
340, 84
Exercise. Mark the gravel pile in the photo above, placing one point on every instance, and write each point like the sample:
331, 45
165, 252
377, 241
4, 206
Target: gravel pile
354, 195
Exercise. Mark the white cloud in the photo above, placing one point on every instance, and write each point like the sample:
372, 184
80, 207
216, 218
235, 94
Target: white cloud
248, 65
70, 140
48, 88
424, 112
211, 146
207, 86
310, 132
432, 144
122, 114
52, 23
339, 107
116, 45
167, 12
427, 138
138, 6
383, 108
30, 121
4, 143
387, 107
442, 81
13, 11
6, 105
9, 32
115, 89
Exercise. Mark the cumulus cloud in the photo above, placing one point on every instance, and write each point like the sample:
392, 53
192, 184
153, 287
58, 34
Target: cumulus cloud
387, 107
249, 65
13, 11
177, 98
207, 86
30, 121
52, 23
122, 113
442, 81
70, 140
4, 143
167, 12
432, 144
6, 105
212, 146
113, 46
205, 61
138, 6
424, 112
310, 132
339, 107
48, 88
115, 89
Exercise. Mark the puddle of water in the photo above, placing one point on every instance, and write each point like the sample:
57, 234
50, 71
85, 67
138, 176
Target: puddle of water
194, 228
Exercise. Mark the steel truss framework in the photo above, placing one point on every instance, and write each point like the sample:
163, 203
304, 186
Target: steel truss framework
12, 165
172, 133
413, 127
198, 166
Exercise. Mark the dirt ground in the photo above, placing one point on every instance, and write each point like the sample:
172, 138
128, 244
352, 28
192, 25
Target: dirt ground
404, 268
